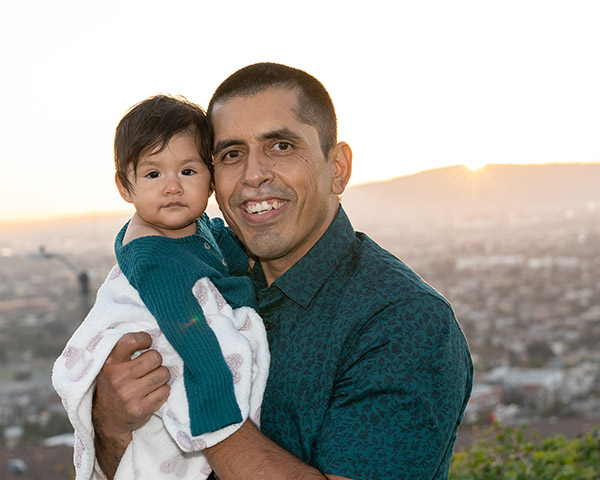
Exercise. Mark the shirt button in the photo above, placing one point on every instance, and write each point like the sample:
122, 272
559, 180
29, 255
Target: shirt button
268, 325
224, 262
207, 245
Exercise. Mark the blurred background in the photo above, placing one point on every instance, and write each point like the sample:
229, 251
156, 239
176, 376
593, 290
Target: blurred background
476, 161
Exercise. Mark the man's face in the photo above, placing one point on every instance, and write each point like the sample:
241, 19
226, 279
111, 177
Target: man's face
272, 181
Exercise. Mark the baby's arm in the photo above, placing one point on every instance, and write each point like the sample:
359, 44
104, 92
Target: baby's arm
164, 272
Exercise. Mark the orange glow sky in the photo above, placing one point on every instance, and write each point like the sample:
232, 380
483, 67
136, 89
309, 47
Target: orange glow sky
416, 84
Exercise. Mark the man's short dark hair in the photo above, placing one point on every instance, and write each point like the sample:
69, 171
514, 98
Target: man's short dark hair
315, 107
150, 124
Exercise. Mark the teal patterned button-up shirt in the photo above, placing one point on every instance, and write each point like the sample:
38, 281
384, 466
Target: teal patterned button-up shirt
370, 372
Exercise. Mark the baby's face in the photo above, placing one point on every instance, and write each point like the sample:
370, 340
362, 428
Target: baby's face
170, 188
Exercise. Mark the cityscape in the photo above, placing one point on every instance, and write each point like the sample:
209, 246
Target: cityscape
524, 281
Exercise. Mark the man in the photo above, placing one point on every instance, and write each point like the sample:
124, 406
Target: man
370, 372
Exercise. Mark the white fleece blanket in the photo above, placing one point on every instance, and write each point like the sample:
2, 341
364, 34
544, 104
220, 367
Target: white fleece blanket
164, 447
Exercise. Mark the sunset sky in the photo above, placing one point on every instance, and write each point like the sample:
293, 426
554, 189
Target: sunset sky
416, 84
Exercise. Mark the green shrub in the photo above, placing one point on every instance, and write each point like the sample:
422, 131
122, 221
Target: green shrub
509, 453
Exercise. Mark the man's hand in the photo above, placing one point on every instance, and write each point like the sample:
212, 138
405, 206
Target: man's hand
127, 393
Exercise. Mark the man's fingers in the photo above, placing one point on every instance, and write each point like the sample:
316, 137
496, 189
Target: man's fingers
152, 381
134, 379
157, 398
127, 345
148, 396
146, 363
129, 391
130, 401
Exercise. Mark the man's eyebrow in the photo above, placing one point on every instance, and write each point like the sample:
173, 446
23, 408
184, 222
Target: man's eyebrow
283, 132
223, 144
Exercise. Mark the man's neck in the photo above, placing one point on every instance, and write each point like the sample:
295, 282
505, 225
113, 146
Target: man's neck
275, 268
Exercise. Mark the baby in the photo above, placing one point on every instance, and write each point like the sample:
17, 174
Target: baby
181, 278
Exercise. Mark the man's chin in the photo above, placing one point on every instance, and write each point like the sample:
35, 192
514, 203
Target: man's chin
265, 247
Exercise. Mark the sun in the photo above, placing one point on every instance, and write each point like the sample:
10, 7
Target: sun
475, 165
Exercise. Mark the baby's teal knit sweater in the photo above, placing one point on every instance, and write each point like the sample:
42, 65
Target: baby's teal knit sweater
163, 271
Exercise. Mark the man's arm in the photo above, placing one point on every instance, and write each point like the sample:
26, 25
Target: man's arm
127, 393
248, 454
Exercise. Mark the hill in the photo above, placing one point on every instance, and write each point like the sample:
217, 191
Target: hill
459, 192
432, 195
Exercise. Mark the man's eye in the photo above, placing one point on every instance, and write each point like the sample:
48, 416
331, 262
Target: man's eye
232, 156
282, 146
188, 171
153, 175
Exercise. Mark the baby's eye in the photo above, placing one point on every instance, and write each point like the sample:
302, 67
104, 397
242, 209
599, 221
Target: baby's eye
188, 171
153, 175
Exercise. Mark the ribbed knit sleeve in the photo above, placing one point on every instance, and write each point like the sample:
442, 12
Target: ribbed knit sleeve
164, 271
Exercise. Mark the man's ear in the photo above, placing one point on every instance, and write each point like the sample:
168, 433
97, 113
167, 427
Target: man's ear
341, 157
126, 194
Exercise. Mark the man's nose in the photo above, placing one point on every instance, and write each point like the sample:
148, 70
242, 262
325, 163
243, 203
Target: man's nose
258, 169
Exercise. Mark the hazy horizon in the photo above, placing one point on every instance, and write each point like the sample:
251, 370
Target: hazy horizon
213, 210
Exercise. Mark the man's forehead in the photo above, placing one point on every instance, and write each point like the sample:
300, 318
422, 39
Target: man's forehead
267, 110
280, 95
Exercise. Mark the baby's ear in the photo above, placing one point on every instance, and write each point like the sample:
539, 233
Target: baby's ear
125, 193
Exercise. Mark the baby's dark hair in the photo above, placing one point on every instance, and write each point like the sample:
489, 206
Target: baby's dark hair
150, 124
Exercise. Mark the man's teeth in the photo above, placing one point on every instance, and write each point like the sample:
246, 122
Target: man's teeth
264, 207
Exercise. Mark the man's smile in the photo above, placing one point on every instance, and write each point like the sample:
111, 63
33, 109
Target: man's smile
260, 208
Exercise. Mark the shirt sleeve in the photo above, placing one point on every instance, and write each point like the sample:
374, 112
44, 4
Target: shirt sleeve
399, 397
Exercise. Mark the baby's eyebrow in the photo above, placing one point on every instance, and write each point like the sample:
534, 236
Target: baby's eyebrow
147, 162
152, 163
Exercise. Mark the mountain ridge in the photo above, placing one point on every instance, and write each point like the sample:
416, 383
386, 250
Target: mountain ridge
454, 190
493, 189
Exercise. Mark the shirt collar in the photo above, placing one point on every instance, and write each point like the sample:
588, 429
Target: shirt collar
302, 281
